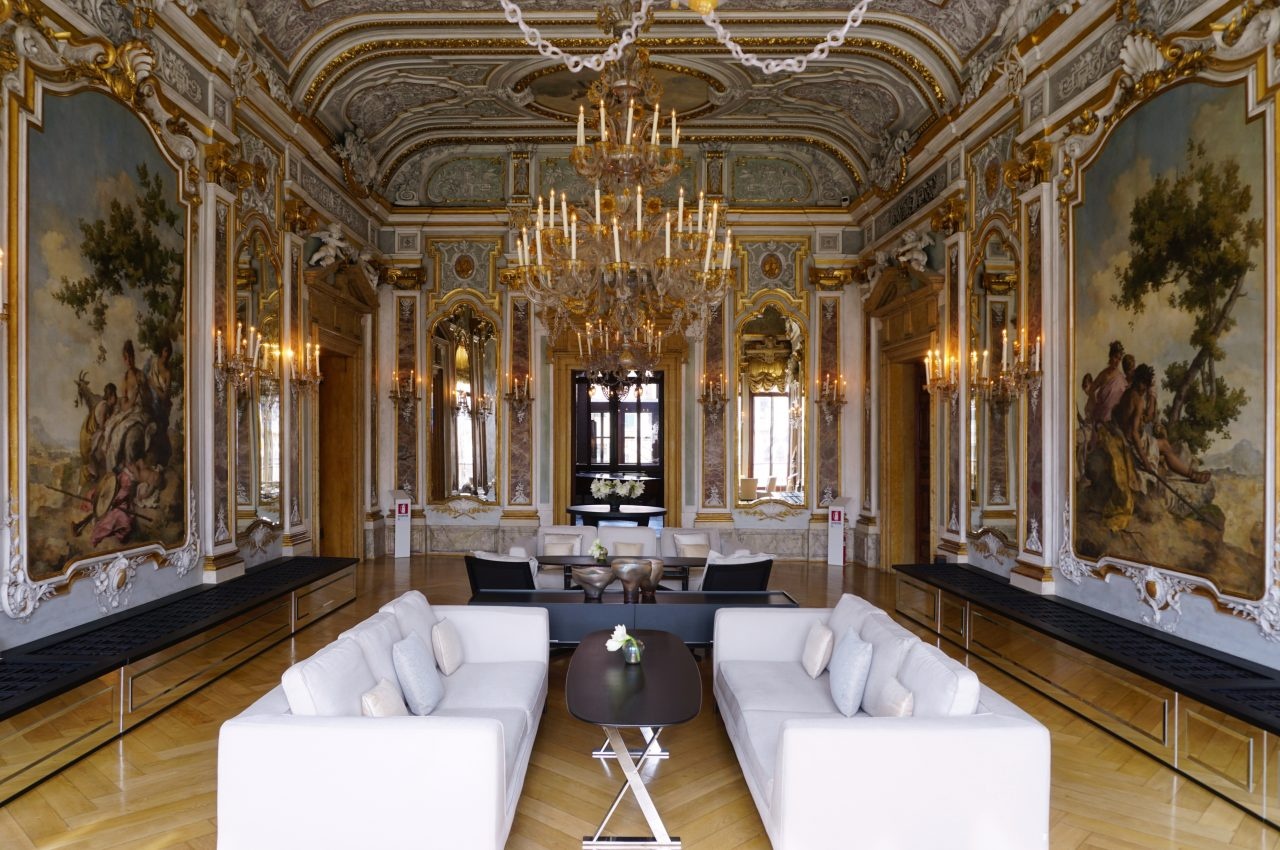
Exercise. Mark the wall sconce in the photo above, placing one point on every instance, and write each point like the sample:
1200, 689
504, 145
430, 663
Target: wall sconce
483, 405
830, 397
941, 374
1019, 373
711, 395
307, 376
246, 360
404, 392
519, 396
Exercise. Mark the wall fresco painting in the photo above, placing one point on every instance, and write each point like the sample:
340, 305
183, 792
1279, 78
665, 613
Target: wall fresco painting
105, 412
1169, 383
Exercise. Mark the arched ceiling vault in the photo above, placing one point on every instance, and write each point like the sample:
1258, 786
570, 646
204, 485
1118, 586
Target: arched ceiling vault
413, 75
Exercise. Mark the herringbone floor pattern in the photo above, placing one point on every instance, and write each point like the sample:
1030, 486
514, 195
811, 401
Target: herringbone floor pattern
156, 787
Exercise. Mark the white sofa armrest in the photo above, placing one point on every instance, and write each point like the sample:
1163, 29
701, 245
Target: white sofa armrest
907, 783
750, 634
499, 633
341, 782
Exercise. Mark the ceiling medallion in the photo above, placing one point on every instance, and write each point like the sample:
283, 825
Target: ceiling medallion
638, 18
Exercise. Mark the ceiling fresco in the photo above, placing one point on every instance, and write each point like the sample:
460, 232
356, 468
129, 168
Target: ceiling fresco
413, 78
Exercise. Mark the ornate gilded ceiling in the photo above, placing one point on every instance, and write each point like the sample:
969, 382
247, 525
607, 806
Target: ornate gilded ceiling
410, 82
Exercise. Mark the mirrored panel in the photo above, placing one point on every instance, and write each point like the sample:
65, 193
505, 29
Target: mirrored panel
464, 391
994, 340
258, 444
771, 407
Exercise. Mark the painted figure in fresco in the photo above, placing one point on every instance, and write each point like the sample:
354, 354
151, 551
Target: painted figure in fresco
1107, 388
160, 388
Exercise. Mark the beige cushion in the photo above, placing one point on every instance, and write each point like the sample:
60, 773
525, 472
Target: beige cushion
692, 544
622, 547
572, 541
383, 700
895, 701
817, 650
447, 644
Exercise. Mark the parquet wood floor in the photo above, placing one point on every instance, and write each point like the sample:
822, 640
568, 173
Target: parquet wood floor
156, 787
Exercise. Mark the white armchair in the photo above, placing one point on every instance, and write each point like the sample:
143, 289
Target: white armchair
621, 540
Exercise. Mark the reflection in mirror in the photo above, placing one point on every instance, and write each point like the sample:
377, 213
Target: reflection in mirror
464, 383
993, 332
771, 412
257, 287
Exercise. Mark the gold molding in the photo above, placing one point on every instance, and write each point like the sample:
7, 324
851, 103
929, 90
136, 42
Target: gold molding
949, 217
224, 165
300, 217
831, 278
1035, 572
1032, 163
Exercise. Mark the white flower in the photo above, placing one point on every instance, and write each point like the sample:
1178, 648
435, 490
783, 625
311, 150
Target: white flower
597, 549
601, 488
619, 639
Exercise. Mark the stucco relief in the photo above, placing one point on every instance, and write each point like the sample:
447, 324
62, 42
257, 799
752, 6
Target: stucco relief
467, 181
374, 108
769, 180
871, 106
288, 23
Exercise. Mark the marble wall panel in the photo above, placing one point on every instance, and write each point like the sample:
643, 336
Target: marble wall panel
827, 466
715, 470
1035, 411
407, 411
520, 422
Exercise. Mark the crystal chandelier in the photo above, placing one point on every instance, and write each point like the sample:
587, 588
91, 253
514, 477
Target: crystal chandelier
620, 272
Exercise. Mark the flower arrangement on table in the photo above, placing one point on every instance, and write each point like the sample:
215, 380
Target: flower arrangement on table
630, 646
598, 551
603, 487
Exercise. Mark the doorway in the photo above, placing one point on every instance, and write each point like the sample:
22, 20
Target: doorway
618, 433
338, 456
907, 488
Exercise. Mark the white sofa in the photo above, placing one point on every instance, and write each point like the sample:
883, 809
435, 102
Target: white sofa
821, 779
448, 779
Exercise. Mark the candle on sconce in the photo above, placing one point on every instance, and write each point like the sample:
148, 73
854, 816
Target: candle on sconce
675, 134
317, 355
564, 215
1036, 365
1004, 348
701, 199
986, 365
551, 223
538, 220
667, 235
604, 128
573, 237
217, 346
598, 204
239, 330
579, 333
728, 237
617, 249
537, 243
631, 114
680, 210
657, 118
639, 207
928, 366
582, 126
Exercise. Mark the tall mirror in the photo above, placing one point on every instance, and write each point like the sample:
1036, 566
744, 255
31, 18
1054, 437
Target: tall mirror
771, 407
994, 337
257, 288
464, 402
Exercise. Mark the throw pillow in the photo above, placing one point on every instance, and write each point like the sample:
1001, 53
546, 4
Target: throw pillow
692, 544
896, 700
558, 549
942, 686
890, 643
447, 644
817, 650
383, 700
573, 541
419, 678
850, 665
624, 548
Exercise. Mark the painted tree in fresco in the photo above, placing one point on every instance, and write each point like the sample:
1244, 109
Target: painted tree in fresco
134, 248
1190, 238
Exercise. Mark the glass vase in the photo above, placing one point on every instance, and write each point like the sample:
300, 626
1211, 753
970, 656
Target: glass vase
632, 651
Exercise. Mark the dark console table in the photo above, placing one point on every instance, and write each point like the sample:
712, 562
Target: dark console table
687, 614
592, 514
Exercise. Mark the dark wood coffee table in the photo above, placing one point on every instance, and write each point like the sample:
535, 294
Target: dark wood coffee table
663, 690
672, 568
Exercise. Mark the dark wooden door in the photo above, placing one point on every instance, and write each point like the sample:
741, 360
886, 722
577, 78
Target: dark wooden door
337, 481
